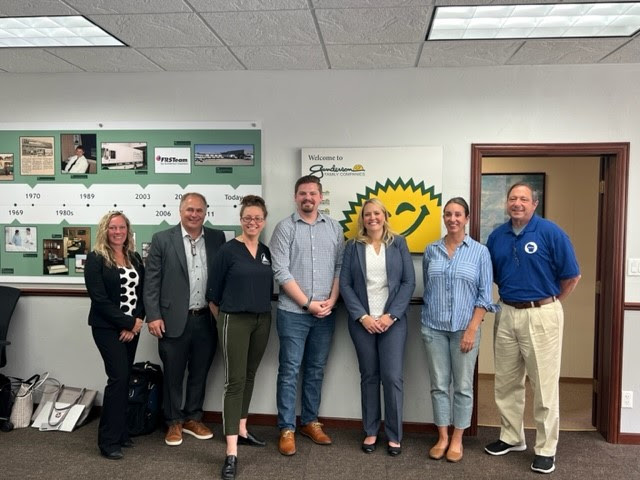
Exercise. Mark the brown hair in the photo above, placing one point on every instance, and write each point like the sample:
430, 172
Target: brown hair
253, 201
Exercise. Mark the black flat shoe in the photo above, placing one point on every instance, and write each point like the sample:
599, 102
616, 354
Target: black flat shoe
229, 467
368, 447
115, 455
251, 440
127, 444
394, 451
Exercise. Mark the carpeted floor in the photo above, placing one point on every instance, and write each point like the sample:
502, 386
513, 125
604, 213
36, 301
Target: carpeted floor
575, 405
30, 454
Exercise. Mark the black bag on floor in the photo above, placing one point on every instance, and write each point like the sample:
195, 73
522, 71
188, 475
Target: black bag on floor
144, 411
6, 402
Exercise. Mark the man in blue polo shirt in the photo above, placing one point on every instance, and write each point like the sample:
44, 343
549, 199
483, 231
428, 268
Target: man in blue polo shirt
535, 268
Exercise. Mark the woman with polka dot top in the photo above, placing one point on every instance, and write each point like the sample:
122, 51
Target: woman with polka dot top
114, 274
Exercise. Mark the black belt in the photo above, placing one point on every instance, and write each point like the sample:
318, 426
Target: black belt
198, 311
532, 304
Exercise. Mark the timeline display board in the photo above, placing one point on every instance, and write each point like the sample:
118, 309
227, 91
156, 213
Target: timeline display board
56, 184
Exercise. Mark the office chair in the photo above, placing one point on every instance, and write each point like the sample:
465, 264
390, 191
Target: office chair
8, 299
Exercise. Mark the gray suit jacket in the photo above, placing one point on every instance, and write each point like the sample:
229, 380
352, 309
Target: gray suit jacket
166, 284
401, 278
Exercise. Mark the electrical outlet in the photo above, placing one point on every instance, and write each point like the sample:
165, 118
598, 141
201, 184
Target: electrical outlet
627, 399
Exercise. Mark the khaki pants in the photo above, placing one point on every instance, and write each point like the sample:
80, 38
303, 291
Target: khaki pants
529, 341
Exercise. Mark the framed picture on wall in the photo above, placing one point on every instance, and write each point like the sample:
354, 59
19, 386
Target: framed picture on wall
495, 186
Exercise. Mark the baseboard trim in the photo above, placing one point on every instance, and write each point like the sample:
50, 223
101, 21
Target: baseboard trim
629, 438
581, 380
330, 422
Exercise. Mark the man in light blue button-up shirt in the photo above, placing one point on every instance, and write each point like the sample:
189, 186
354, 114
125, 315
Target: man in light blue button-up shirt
306, 252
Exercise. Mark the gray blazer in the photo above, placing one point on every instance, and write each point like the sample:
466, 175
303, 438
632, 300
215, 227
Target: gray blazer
401, 278
166, 283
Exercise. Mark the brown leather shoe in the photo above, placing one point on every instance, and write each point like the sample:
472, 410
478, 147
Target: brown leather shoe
174, 435
197, 429
454, 457
287, 443
313, 430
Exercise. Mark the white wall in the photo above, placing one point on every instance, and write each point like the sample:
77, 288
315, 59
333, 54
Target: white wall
448, 107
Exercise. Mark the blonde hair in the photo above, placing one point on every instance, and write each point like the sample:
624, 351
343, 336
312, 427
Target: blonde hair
102, 246
387, 233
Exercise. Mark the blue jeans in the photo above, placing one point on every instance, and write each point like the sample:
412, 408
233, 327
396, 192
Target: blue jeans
304, 342
446, 360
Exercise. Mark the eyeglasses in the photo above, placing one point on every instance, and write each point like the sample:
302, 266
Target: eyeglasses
258, 220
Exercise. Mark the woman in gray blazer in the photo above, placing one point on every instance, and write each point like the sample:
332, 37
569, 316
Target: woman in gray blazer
377, 280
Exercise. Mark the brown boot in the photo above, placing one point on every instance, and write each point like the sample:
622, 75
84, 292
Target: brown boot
287, 444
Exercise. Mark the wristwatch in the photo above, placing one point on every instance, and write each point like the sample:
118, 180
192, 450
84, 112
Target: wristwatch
305, 307
393, 317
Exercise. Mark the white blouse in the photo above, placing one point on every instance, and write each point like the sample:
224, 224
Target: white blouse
377, 285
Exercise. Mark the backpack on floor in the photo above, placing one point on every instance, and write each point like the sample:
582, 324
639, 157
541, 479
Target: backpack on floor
144, 410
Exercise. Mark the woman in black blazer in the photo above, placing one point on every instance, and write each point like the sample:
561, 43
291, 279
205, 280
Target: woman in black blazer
113, 274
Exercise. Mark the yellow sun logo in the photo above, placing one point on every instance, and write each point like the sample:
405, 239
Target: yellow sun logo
414, 211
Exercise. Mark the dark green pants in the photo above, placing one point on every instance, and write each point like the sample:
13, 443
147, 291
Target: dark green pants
243, 339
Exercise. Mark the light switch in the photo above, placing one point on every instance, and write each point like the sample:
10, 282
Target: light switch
633, 267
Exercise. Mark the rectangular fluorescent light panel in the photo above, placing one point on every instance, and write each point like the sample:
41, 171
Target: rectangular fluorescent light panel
72, 31
565, 20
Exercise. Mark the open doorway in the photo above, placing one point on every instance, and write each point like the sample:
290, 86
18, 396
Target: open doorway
565, 206
609, 268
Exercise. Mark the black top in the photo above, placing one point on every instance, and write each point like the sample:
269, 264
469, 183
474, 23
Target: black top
105, 288
240, 283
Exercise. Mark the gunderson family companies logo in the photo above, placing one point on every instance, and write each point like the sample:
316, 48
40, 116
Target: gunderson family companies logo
320, 170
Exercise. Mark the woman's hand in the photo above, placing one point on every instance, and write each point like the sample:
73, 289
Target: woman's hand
126, 336
385, 322
137, 327
468, 340
372, 325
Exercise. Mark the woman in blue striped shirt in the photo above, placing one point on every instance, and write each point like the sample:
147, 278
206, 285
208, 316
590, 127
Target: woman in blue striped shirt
457, 293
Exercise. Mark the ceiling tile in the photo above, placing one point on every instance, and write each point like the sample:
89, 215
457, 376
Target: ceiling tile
192, 59
373, 25
302, 57
32, 60
399, 55
246, 5
11, 8
564, 51
159, 30
106, 59
369, 3
629, 53
129, 6
285, 27
464, 53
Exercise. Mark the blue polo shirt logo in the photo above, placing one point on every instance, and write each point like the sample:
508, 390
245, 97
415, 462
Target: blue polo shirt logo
531, 247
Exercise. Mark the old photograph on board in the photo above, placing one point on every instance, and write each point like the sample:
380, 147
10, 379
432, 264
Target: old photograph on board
20, 239
53, 261
6, 167
223, 155
78, 152
123, 155
37, 156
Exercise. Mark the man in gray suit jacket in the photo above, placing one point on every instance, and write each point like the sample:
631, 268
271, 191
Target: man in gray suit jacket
176, 276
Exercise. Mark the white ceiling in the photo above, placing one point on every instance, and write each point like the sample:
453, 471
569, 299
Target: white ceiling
209, 35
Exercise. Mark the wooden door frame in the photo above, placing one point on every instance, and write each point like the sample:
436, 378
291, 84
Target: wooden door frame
611, 254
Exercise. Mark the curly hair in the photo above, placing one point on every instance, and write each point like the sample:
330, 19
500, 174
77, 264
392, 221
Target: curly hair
102, 246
